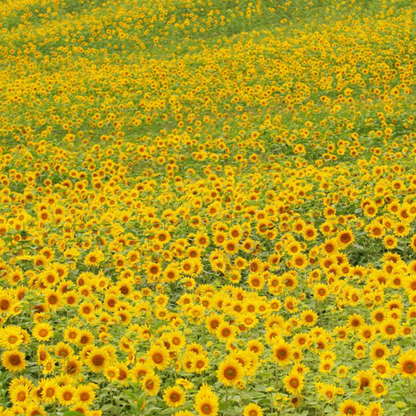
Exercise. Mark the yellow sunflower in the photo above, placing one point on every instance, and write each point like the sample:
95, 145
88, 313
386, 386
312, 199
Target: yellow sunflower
406, 365
282, 353
13, 361
174, 396
230, 372
293, 383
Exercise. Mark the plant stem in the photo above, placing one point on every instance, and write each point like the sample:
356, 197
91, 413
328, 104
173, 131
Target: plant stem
277, 377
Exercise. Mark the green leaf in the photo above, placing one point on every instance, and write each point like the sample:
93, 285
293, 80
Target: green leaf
106, 407
72, 413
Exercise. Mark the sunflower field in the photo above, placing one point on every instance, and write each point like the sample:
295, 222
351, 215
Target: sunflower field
208, 207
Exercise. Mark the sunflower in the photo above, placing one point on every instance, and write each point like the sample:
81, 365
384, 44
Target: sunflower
19, 394
184, 413
309, 317
355, 321
341, 332
200, 363
15, 276
33, 409
294, 383
151, 384
378, 315
256, 281
85, 338
49, 391
85, 395
396, 280
63, 350
374, 409
390, 242
201, 239
112, 373
350, 408
320, 291
327, 390
248, 321
187, 266
42, 331
111, 301
53, 299
282, 353
301, 341
342, 371
13, 361
177, 340
219, 237
401, 230
48, 366
367, 333
247, 359
186, 384
240, 263
255, 346
98, 359
345, 238
158, 356
406, 330
309, 233
375, 230
153, 270
226, 332
206, 402
66, 395
406, 365
73, 367
212, 322
275, 305
274, 260
171, 274
412, 243
330, 247
299, 261
79, 408
140, 370
231, 246
174, 396
291, 303
365, 379
50, 277
253, 409
325, 366
71, 297
230, 372
410, 281
379, 351
390, 329
94, 258
378, 388
11, 337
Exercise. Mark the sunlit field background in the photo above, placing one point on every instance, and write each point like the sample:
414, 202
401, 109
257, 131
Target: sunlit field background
207, 207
